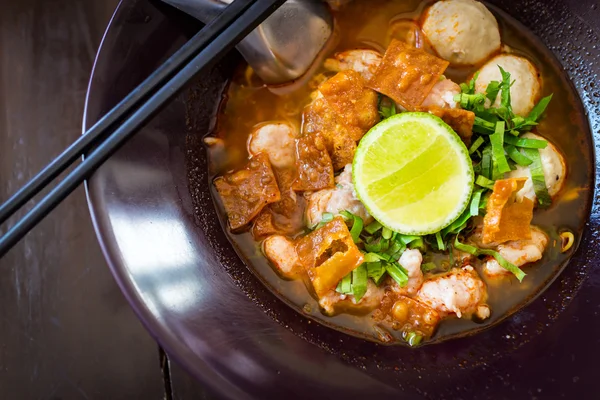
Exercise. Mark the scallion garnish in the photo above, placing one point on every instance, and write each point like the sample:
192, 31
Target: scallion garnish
476, 144
484, 182
397, 272
526, 142
475, 200
357, 225
359, 282
517, 156
538, 178
373, 227
440, 243
413, 339
386, 233
497, 140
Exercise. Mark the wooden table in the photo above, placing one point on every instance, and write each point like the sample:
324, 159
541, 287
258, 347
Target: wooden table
66, 331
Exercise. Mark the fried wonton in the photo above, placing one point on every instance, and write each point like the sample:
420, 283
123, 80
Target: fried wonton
407, 74
313, 164
285, 216
328, 254
461, 121
506, 219
354, 105
246, 192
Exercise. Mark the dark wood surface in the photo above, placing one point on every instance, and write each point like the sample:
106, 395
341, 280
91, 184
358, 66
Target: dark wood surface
66, 331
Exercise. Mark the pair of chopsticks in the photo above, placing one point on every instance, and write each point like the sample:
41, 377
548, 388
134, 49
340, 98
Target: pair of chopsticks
104, 138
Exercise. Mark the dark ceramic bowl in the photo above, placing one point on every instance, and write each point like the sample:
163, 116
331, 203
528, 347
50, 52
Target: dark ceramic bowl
160, 233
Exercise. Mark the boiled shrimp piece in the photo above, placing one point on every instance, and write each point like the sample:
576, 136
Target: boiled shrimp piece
442, 95
277, 140
553, 164
282, 254
411, 260
333, 201
463, 32
526, 88
459, 292
518, 252
334, 302
365, 62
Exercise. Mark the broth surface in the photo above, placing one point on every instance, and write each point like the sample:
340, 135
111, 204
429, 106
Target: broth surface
361, 25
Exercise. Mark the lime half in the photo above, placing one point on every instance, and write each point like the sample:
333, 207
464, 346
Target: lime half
413, 173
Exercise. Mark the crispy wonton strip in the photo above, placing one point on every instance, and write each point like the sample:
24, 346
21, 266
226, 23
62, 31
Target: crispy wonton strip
328, 254
245, 192
284, 217
407, 74
460, 120
506, 219
315, 170
319, 118
354, 105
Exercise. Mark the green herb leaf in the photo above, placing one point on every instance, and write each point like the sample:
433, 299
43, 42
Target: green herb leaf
484, 182
486, 162
497, 140
538, 177
386, 233
359, 282
398, 273
475, 200
440, 242
387, 107
505, 88
357, 225
345, 285
492, 91
526, 142
373, 227
418, 244
427, 267
376, 272
539, 109
413, 339
517, 156
476, 144
516, 271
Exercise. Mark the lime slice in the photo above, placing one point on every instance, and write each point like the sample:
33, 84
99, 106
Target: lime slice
413, 173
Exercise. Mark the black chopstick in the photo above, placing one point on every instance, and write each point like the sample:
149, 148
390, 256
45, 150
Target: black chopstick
209, 52
98, 132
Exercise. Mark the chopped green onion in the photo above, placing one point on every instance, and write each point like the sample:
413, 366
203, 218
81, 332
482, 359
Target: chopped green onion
526, 142
492, 90
478, 142
427, 267
417, 244
386, 233
376, 272
470, 87
396, 247
359, 282
497, 140
327, 217
484, 182
357, 225
516, 271
440, 242
373, 227
539, 109
398, 273
458, 224
387, 107
517, 156
407, 239
345, 285
372, 257
538, 178
475, 200
486, 162
487, 127
413, 339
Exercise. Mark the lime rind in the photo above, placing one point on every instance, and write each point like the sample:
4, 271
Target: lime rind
432, 136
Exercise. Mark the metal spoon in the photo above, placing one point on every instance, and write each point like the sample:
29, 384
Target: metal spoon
283, 47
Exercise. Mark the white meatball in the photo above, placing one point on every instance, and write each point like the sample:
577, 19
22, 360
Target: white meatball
333, 201
282, 254
463, 32
442, 95
518, 252
553, 164
526, 88
277, 140
411, 260
365, 62
460, 291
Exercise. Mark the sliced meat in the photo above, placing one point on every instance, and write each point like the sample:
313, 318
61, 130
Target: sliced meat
277, 140
334, 302
363, 61
442, 95
518, 252
459, 292
246, 192
342, 197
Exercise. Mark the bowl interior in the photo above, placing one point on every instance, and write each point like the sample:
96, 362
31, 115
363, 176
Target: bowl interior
157, 224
